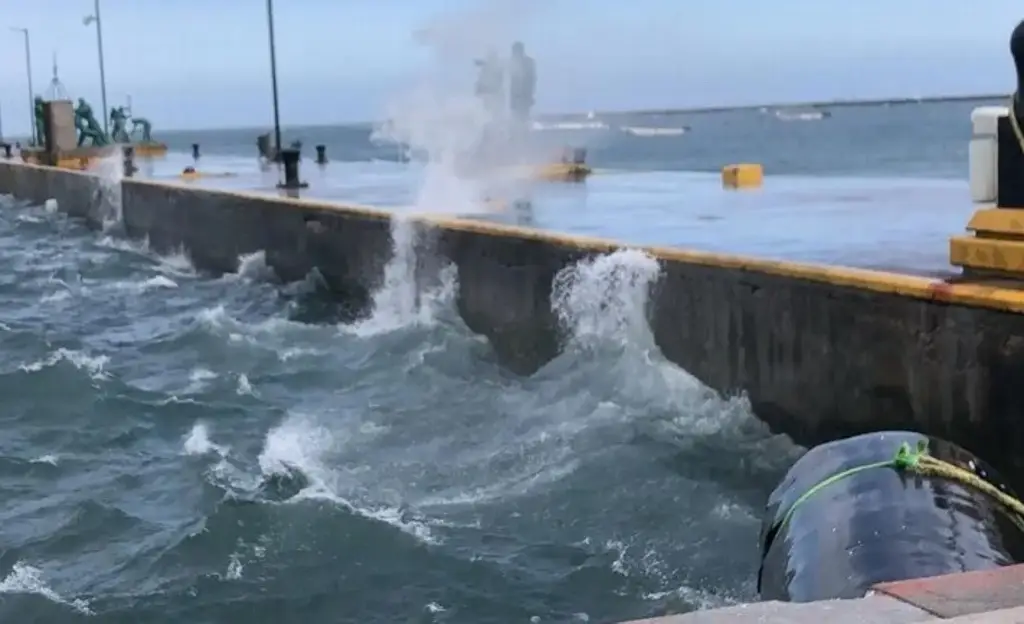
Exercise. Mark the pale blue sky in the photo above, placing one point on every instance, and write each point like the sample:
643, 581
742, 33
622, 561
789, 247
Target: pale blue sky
204, 63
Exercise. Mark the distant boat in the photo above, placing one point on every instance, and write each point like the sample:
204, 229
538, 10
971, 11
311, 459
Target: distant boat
540, 126
650, 131
814, 115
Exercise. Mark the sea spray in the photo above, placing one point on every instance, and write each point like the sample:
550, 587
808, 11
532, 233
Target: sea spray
106, 206
605, 298
460, 143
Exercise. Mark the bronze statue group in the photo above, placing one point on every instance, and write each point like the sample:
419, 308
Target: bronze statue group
90, 131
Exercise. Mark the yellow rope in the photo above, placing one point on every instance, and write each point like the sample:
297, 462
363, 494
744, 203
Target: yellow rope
1015, 123
920, 462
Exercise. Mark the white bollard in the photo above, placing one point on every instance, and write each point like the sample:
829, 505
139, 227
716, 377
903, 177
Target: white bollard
983, 153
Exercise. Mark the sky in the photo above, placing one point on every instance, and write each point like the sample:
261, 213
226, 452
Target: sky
206, 63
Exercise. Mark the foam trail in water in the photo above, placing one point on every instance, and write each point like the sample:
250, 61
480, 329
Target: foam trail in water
25, 579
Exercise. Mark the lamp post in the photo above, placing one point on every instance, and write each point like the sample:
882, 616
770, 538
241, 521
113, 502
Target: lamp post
90, 19
28, 74
273, 79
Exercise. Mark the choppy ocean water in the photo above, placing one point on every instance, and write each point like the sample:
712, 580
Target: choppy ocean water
184, 447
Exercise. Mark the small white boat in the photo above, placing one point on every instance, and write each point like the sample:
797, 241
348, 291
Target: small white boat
815, 115
540, 126
649, 131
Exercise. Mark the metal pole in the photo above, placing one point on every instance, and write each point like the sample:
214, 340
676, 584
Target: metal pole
28, 74
103, 76
273, 77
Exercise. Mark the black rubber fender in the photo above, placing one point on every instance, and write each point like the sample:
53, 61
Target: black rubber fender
880, 524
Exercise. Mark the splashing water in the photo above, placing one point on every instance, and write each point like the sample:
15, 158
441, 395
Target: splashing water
109, 172
606, 297
400, 302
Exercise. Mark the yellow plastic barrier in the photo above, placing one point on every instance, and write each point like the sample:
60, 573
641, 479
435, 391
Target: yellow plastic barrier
741, 176
562, 172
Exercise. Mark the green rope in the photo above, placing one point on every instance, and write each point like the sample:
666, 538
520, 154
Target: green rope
905, 459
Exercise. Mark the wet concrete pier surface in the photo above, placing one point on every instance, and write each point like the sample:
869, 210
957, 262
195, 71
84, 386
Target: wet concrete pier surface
878, 223
987, 597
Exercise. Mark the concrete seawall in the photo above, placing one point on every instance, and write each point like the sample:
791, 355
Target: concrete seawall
820, 351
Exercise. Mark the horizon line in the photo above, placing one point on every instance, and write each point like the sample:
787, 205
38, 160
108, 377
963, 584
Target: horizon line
670, 112
667, 112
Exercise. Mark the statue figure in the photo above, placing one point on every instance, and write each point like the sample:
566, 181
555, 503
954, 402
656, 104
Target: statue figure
40, 117
119, 121
88, 127
147, 128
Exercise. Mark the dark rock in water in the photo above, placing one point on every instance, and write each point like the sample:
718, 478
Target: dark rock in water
880, 524
281, 486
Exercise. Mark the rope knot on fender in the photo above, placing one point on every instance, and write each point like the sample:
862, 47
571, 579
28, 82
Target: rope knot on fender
907, 459
884, 506
918, 461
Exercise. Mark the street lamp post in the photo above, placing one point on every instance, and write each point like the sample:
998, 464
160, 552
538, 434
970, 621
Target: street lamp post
28, 73
90, 19
273, 79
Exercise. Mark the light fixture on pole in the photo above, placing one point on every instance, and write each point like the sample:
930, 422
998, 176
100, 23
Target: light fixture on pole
28, 74
273, 80
90, 19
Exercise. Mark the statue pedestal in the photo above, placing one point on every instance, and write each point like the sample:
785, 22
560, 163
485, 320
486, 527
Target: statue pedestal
996, 246
59, 133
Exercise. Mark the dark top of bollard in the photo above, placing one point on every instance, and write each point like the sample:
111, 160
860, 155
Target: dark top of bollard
1017, 50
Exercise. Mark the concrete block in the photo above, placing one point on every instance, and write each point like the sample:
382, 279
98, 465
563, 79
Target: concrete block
59, 121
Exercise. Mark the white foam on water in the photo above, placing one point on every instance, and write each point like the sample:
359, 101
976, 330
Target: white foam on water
253, 267
302, 443
93, 365
174, 263
157, 282
197, 442
244, 387
26, 579
199, 380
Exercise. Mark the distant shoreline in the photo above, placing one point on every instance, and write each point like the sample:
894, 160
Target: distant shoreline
666, 112
671, 112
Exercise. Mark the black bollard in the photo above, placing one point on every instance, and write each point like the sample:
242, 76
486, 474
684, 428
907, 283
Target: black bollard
7, 150
195, 151
129, 161
263, 146
1010, 135
290, 160
321, 154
